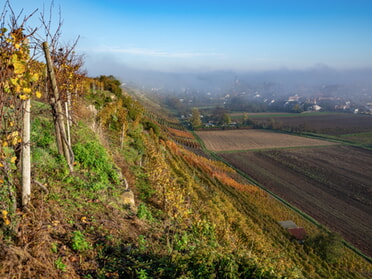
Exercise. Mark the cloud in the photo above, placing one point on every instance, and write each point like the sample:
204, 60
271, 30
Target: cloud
157, 53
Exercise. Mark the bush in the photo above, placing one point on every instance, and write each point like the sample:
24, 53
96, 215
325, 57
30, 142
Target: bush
329, 246
93, 157
147, 125
144, 213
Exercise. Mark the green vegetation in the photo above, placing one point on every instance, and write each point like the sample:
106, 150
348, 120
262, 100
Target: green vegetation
195, 118
79, 242
60, 265
327, 246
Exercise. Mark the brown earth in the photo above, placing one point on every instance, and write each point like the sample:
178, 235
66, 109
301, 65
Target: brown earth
331, 124
243, 139
332, 184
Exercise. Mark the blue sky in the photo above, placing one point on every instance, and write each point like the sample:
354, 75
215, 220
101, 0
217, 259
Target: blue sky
210, 35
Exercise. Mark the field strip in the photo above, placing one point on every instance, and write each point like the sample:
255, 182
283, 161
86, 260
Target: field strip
254, 139
270, 148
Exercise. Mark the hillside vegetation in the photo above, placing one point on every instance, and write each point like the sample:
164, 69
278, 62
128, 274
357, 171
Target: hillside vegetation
121, 190
193, 217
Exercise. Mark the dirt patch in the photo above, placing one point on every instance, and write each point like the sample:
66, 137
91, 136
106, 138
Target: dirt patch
251, 139
331, 184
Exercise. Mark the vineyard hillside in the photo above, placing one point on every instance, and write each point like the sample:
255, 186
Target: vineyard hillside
98, 180
142, 204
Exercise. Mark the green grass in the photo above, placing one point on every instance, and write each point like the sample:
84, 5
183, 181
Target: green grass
363, 138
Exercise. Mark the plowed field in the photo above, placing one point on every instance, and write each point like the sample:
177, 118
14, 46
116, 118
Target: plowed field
333, 184
240, 139
332, 124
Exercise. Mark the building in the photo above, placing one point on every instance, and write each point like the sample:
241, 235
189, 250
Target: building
298, 233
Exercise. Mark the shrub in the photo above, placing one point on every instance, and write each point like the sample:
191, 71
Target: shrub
329, 246
144, 213
93, 157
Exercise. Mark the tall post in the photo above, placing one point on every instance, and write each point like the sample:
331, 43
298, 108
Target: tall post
26, 154
57, 108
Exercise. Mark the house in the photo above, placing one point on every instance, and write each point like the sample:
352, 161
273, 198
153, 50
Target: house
295, 98
297, 232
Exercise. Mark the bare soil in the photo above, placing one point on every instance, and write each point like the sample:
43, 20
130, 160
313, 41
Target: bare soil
251, 139
332, 184
331, 124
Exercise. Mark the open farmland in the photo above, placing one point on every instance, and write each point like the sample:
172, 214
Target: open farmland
251, 139
334, 124
332, 184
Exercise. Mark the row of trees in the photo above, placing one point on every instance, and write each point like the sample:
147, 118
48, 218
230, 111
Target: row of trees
218, 116
23, 77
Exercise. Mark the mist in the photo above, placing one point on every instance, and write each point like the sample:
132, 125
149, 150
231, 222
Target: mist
281, 81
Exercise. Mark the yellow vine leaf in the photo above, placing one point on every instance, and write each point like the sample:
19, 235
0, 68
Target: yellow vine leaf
13, 159
5, 217
14, 81
34, 77
1, 165
19, 68
23, 97
15, 140
38, 94
27, 90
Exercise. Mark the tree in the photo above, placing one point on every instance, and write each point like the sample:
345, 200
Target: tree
110, 83
226, 119
195, 118
218, 115
246, 120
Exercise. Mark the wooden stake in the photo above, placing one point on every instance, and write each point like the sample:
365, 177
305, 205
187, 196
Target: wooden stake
26, 154
57, 108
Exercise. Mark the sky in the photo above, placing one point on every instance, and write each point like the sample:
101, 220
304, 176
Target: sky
206, 35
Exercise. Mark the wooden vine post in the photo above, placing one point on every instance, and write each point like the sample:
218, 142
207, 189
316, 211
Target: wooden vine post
64, 147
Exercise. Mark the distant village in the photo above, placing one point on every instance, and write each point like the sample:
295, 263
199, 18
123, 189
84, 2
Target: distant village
271, 99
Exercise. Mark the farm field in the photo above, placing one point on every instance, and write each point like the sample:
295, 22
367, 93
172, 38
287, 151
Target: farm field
332, 184
253, 139
334, 124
